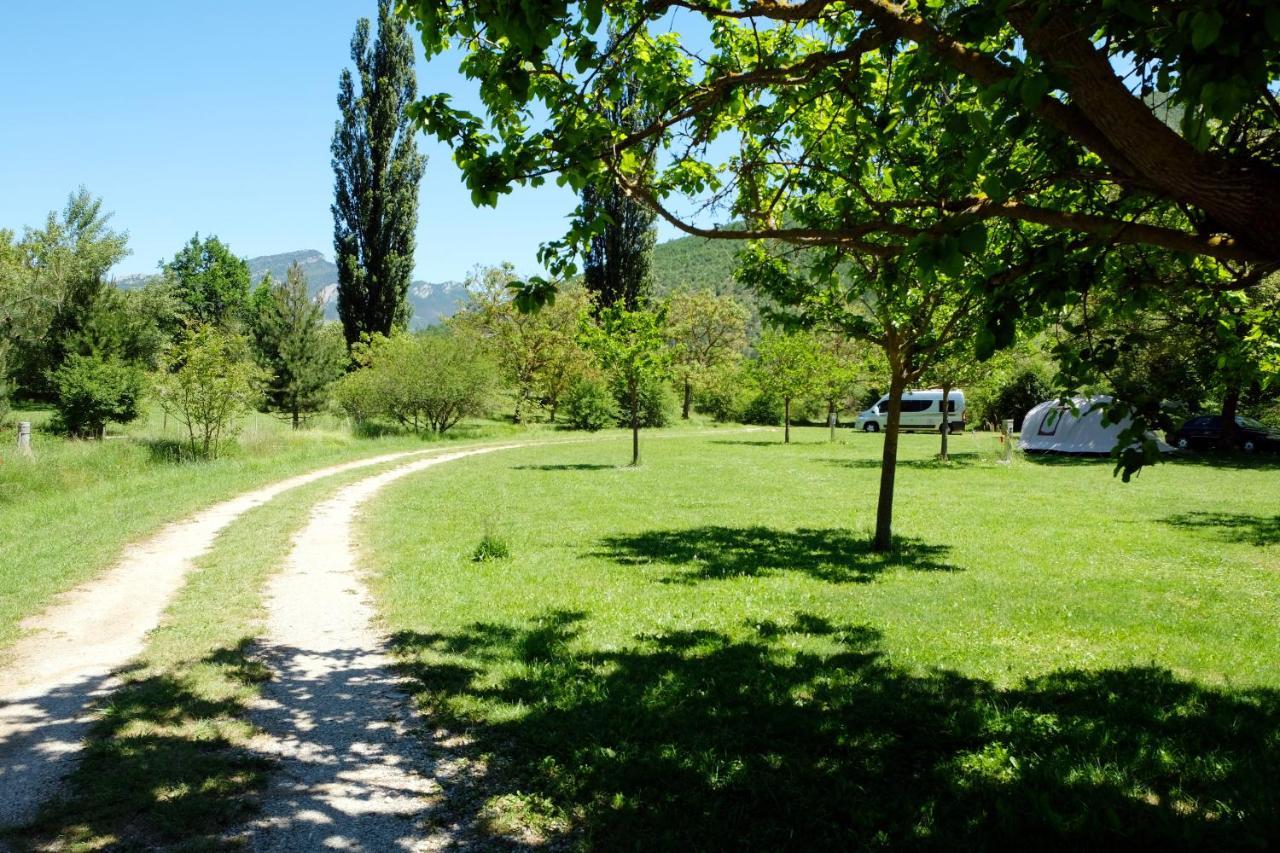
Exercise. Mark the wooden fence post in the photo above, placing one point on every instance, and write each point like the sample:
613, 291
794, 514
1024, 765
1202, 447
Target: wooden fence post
24, 438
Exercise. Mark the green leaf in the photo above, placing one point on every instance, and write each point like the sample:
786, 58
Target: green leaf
1272, 21
1205, 26
973, 240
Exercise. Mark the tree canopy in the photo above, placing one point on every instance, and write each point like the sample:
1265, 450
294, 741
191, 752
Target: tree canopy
1031, 136
210, 280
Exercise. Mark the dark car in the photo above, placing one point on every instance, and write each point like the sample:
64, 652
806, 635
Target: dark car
1206, 431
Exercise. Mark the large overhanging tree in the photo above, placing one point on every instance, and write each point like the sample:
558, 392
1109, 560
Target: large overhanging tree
1148, 124
1003, 158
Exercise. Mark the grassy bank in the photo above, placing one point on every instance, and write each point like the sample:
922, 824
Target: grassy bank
703, 653
67, 513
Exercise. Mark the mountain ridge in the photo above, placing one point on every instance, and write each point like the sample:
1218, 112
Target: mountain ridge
685, 263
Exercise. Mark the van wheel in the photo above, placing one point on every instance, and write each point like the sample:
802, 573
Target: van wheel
871, 426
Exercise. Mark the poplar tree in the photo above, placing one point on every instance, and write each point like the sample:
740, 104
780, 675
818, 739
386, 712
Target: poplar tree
618, 258
377, 169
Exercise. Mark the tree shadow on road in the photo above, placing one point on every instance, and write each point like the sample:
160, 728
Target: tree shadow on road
715, 552
803, 736
163, 764
1261, 530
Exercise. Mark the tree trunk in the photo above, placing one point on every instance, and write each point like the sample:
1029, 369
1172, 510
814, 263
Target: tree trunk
296, 419
946, 422
635, 426
688, 399
1230, 406
786, 420
889, 465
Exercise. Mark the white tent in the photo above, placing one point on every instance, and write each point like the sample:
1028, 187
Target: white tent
1051, 428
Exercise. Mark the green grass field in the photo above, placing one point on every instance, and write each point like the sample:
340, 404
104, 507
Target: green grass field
703, 654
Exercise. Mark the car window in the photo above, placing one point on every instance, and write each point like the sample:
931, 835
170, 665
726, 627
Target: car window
1250, 423
916, 405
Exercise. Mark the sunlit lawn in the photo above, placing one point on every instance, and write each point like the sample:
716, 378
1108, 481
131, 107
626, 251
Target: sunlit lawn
703, 654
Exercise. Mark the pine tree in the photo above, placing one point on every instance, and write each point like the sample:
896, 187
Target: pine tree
617, 263
377, 169
302, 355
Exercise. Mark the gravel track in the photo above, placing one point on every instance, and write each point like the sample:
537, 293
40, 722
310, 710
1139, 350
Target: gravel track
68, 659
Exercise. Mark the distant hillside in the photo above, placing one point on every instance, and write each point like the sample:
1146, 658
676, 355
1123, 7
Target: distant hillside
686, 263
694, 263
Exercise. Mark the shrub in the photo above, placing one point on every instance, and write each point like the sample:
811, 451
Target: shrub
725, 392
421, 381
657, 403
1012, 398
207, 381
763, 410
92, 391
491, 548
364, 395
590, 405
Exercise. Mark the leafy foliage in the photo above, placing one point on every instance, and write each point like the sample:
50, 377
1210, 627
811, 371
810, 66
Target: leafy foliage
207, 381
631, 348
617, 261
211, 281
427, 380
787, 367
52, 283
590, 405
377, 169
92, 391
705, 331
538, 352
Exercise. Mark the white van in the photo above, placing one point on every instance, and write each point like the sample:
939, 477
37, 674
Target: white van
920, 410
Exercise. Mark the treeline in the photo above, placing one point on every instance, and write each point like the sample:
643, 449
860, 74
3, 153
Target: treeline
197, 337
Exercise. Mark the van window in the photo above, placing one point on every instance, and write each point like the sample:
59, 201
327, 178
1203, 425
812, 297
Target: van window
951, 404
916, 405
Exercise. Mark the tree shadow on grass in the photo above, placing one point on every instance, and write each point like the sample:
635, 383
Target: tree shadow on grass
1237, 461
168, 451
957, 460
582, 466
1069, 459
803, 736
715, 552
1258, 530
747, 442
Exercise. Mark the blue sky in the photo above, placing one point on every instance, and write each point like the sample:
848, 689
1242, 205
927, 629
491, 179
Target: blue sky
217, 117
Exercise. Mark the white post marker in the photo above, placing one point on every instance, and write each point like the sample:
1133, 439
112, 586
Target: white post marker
24, 437
831, 422
1006, 439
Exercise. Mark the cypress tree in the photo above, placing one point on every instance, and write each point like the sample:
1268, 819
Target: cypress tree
377, 169
617, 263
293, 344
